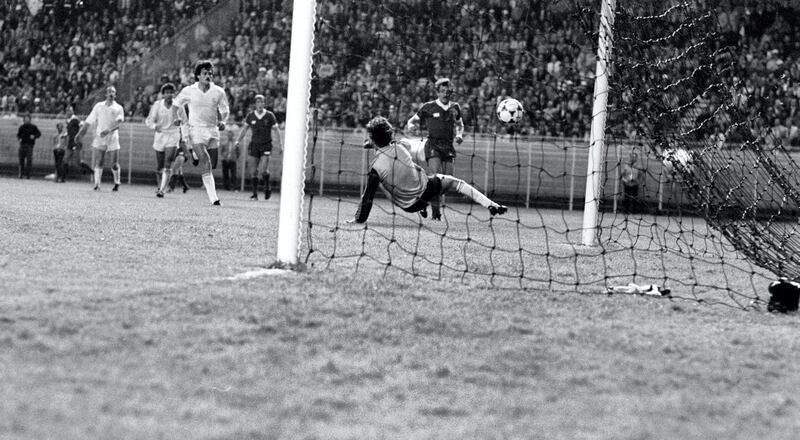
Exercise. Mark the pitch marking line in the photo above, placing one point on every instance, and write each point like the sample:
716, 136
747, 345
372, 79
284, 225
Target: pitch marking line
257, 273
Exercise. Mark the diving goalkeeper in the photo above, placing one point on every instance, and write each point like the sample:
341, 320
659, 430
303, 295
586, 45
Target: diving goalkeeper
405, 182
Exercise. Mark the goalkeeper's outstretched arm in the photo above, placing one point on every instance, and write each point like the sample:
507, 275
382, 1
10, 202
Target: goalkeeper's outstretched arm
373, 181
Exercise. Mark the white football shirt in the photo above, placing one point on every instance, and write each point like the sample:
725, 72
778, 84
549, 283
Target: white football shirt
204, 106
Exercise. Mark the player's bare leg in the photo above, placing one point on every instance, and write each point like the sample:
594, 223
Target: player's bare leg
170, 157
116, 170
206, 175
263, 171
98, 157
252, 166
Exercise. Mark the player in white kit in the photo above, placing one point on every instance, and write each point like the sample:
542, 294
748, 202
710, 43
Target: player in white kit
165, 118
106, 116
208, 111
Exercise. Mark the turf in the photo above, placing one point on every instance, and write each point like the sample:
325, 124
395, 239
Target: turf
127, 316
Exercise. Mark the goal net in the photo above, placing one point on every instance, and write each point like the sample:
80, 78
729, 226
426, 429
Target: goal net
713, 214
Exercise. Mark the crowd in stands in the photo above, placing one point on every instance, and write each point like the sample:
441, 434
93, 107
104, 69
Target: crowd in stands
71, 47
378, 57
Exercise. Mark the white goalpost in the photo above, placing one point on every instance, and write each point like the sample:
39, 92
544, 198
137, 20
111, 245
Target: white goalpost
594, 172
292, 181
298, 95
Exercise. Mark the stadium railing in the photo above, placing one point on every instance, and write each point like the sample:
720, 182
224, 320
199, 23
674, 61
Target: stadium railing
526, 171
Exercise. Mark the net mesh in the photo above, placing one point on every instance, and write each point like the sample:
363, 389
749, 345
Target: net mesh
714, 216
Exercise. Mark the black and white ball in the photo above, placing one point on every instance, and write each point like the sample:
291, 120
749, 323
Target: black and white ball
510, 111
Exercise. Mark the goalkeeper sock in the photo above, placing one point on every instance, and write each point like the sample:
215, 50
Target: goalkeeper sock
211, 190
469, 191
98, 176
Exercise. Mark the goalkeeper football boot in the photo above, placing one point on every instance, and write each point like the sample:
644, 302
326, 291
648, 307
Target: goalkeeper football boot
498, 209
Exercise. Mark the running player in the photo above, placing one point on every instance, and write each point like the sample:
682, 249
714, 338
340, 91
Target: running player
442, 118
74, 146
208, 111
260, 122
165, 118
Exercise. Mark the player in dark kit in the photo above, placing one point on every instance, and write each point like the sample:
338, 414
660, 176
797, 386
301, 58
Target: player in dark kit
405, 182
260, 122
444, 123
74, 147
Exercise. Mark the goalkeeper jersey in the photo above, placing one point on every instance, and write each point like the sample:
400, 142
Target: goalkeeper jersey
394, 170
402, 179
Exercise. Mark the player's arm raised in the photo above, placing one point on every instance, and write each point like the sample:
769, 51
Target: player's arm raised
413, 124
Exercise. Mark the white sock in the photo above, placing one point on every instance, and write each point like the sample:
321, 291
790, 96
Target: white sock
211, 189
116, 172
467, 189
98, 175
165, 175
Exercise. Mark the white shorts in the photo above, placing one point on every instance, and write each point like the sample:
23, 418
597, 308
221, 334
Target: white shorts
166, 139
204, 135
108, 143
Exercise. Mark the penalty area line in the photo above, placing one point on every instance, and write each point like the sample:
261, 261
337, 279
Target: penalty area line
256, 274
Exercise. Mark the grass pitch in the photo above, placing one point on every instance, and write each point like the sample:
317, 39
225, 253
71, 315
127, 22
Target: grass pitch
127, 316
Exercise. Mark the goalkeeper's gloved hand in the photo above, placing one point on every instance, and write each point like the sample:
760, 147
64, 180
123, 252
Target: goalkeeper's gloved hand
459, 139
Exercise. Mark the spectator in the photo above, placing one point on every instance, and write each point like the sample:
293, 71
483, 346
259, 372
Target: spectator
27, 135
631, 180
59, 149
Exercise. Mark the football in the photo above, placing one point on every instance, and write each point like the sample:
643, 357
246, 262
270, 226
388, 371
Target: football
510, 111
